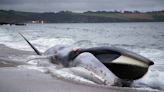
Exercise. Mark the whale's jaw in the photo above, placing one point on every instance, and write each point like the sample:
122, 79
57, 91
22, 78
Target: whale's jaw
123, 63
129, 72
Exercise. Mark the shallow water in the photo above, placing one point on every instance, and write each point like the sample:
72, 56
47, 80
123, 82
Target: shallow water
146, 39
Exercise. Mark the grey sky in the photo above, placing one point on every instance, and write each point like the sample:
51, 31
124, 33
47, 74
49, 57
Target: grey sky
81, 5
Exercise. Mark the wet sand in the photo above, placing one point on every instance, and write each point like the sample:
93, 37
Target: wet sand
13, 79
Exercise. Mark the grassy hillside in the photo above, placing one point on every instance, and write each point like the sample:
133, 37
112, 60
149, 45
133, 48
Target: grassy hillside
86, 17
131, 16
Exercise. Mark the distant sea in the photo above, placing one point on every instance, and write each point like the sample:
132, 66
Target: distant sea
145, 38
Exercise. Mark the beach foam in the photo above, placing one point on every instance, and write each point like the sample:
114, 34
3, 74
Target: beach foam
153, 79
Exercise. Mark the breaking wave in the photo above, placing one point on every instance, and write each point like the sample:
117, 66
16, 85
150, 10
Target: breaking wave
153, 79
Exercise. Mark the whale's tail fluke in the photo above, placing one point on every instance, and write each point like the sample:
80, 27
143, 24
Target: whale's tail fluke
37, 51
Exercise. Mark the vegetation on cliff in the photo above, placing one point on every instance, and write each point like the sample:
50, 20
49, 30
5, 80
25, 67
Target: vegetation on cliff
85, 17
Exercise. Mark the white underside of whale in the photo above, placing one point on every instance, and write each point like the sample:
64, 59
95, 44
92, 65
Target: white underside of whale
91, 68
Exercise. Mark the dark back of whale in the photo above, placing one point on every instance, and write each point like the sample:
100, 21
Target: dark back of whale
107, 54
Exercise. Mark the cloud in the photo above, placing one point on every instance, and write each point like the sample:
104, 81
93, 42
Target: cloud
81, 5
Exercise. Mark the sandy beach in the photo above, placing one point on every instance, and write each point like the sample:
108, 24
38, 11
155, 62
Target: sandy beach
13, 79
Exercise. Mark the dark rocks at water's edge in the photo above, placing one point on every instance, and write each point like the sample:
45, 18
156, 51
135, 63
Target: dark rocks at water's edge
9, 23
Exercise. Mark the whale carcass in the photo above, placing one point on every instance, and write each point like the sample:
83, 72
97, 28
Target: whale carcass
103, 65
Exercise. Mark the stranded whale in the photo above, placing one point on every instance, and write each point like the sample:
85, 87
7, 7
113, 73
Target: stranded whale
103, 65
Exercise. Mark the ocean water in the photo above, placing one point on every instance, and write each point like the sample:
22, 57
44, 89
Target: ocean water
146, 39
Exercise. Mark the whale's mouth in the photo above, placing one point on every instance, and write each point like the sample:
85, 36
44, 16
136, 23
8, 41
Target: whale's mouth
127, 71
123, 63
126, 67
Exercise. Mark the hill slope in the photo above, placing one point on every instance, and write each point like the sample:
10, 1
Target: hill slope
86, 17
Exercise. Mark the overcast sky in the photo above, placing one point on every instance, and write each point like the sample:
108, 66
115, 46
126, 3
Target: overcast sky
81, 5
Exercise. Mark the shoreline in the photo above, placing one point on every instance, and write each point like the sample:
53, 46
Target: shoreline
14, 79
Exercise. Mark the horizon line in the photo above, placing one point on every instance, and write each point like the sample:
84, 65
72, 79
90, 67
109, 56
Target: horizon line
120, 11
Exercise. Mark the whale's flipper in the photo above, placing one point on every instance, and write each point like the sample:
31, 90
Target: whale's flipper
37, 51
